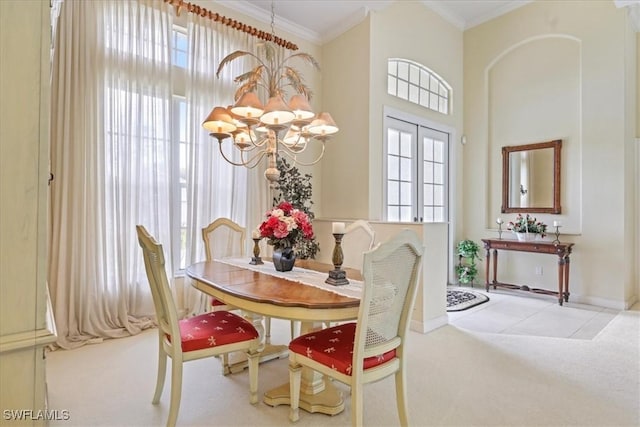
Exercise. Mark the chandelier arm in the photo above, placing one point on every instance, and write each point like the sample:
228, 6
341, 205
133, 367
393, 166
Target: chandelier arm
294, 157
259, 142
247, 164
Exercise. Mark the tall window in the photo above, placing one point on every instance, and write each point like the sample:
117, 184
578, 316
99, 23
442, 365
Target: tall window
179, 56
416, 172
418, 84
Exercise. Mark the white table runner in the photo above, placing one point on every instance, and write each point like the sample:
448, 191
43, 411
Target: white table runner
300, 275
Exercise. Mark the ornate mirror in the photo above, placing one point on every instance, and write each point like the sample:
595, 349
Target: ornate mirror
531, 178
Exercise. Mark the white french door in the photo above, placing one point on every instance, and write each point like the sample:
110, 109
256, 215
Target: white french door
416, 176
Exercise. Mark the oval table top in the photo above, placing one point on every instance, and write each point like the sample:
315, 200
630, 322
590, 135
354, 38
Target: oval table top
272, 296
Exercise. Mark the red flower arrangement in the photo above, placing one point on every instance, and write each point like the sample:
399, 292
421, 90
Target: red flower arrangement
285, 225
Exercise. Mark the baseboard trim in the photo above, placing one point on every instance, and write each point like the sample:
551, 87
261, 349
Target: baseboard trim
602, 302
25, 340
429, 325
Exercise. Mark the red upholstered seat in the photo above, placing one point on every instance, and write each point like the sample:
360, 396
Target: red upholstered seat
214, 329
216, 302
333, 347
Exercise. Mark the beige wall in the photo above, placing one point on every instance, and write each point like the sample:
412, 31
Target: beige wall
345, 92
638, 84
584, 104
355, 89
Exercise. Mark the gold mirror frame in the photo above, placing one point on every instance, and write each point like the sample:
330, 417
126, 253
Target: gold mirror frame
556, 145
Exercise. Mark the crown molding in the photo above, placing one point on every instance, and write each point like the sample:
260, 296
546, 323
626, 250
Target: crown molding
506, 8
437, 7
264, 16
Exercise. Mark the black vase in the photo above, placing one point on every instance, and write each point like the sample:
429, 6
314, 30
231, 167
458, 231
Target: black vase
284, 259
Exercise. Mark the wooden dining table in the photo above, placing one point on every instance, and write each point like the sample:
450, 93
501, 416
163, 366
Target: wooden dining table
261, 294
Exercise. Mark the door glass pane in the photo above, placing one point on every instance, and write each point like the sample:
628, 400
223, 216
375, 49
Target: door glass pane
427, 146
438, 214
428, 214
438, 195
393, 167
428, 172
438, 173
405, 169
405, 214
428, 194
438, 151
393, 214
393, 142
393, 196
405, 145
406, 196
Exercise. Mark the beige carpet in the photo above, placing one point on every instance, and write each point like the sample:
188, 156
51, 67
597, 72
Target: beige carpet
456, 378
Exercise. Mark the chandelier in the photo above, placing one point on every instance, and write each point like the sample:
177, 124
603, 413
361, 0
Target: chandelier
277, 128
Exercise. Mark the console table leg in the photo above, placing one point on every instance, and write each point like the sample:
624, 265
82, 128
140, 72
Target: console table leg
566, 278
486, 269
495, 268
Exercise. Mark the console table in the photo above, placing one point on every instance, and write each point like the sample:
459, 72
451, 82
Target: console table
562, 250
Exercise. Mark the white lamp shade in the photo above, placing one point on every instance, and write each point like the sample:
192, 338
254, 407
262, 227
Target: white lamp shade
323, 125
300, 107
276, 113
219, 121
248, 106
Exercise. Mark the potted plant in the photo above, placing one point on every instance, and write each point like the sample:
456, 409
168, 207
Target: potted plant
468, 252
527, 228
295, 187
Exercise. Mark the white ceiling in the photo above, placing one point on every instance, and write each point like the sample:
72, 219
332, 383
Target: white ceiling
319, 21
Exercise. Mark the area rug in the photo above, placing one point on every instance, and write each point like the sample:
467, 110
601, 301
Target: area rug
458, 299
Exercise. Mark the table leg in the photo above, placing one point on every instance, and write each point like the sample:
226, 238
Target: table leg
317, 393
237, 361
567, 263
486, 269
561, 281
495, 268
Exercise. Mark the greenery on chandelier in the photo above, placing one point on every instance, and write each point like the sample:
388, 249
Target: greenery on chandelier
296, 188
272, 73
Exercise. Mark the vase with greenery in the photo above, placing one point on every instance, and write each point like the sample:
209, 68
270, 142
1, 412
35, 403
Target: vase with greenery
296, 188
468, 252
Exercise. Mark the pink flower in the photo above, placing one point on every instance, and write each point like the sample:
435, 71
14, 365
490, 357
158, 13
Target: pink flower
281, 231
285, 225
286, 207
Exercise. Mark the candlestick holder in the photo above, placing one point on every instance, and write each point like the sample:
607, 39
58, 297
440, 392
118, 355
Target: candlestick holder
500, 230
557, 233
255, 259
337, 276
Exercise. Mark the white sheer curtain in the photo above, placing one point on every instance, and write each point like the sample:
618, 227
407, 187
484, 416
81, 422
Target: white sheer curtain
215, 188
115, 163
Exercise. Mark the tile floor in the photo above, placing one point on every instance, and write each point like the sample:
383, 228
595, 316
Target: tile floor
524, 313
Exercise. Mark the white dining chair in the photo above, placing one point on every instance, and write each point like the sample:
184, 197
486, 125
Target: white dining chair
373, 347
206, 335
359, 237
225, 238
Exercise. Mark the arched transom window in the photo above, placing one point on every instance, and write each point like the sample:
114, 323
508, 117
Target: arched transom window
416, 83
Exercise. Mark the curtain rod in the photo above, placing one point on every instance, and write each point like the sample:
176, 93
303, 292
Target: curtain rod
216, 17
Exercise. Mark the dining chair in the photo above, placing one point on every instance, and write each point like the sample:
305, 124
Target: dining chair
206, 335
373, 347
359, 237
224, 238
